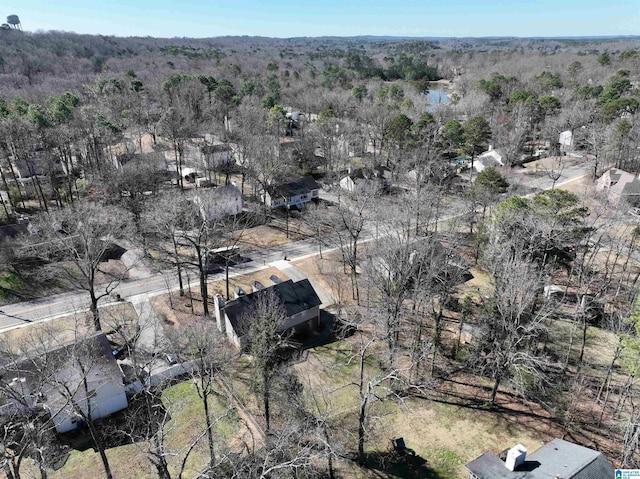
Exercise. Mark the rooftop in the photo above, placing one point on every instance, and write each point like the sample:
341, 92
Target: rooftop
295, 297
294, 188
556, 459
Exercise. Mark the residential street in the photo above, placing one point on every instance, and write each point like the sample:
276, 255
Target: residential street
20, 314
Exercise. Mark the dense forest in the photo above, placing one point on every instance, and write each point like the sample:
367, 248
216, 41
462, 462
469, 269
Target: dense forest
109, 140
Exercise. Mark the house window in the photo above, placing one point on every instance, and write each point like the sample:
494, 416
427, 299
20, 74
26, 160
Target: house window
304, 197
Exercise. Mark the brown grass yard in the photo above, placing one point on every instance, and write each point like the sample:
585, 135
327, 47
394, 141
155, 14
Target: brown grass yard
328, 273
184, 308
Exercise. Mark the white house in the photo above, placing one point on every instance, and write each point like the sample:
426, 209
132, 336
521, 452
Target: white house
299, 300
566, 140
295, 193
215, 203
490, 157
360, 179
71, 381
216, 155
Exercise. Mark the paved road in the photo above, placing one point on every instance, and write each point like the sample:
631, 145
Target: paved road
68, 303
569, 174
51, 307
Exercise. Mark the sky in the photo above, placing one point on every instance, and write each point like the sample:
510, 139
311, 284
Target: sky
296, 18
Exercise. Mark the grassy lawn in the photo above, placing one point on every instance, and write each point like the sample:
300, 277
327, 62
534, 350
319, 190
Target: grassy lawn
11, 282
186, 424
446, 436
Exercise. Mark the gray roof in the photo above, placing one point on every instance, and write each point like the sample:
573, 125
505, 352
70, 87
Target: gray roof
621, 183
370, 173
557, 458
225, 191
295, 297
60, 362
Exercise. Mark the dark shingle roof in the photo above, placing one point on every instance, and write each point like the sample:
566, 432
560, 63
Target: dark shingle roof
295, 297
16, 230
557, 458
293, 188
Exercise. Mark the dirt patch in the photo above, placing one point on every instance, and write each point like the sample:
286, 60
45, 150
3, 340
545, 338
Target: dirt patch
174, 310
264, 236
329, 274
275, 233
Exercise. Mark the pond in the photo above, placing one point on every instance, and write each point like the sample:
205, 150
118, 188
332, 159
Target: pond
437, 96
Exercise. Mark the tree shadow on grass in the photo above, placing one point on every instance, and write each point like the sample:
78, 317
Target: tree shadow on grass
401, 465
137, 423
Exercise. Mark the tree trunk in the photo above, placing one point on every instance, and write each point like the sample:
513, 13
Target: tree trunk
437, 333
325, 433
94, 311
204, 293
226, 274
95, 435
494, 390
205, 403
265, 399
585, 327
178, 265
7, 471
15, 180
362, 416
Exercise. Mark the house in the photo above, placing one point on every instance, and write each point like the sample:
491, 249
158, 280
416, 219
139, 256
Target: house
295, 193
216, 155
490, 157
29, 167
22, 228
618, 185
294, 122
556, 459
80, 376
215, 203
360, 179
439, 173
566, 140
299, 299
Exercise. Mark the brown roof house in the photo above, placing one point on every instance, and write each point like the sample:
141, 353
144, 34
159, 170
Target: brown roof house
618, 185
299, 300
556, 459
72, 382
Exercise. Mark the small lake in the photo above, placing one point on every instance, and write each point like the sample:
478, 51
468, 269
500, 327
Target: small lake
437, 96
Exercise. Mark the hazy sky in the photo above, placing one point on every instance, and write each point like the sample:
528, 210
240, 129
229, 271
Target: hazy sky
293, 18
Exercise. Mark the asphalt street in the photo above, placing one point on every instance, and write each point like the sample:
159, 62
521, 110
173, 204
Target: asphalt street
41, 309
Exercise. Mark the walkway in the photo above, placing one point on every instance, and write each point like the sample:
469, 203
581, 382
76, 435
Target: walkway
296, 275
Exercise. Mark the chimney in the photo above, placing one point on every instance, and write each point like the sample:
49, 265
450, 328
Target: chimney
218, 303
490, 147
515, 457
